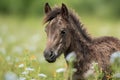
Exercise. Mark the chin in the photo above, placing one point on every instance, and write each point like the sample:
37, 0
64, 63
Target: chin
51, 61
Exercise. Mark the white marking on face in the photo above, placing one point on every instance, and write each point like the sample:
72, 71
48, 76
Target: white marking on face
61, 40
56, 51
91, 70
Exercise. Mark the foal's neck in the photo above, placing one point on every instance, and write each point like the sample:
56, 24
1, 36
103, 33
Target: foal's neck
80, 39
78, 45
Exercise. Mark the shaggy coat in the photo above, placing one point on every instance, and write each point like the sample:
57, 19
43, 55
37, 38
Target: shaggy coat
86, 48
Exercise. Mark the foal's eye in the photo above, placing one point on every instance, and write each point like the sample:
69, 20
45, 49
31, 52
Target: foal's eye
63, 32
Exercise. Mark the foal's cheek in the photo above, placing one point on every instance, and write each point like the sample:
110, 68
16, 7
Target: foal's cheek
68, 40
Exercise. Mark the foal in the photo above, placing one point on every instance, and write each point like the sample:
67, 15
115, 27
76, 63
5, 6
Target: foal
65, 34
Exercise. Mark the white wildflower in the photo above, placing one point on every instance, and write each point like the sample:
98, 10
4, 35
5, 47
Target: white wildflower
114, 56
117, 75
11, 39
8, 58
10, 76
25, 72
17, 49
29, 69
74, 69
22, 78
42, 75
21, 66
71, 57
60, 70
93, 65
3, 50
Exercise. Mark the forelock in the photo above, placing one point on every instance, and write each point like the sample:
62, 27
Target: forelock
51, 15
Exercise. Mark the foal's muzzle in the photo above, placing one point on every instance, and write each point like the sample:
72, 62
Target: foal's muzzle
50, 56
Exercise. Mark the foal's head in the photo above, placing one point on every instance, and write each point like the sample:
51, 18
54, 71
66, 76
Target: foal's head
58, 33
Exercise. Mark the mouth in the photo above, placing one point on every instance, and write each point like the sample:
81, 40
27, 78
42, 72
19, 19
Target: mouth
51, 60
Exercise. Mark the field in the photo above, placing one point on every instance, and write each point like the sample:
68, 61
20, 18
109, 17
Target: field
22, 41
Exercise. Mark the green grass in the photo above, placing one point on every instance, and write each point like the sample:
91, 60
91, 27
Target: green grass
22, 42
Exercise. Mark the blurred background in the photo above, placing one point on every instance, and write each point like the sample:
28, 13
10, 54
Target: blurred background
22, 36
102, 8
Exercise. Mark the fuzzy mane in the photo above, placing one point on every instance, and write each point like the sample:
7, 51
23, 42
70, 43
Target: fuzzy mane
56, 11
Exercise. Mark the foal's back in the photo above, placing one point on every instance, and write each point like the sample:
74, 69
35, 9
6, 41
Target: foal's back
102, 48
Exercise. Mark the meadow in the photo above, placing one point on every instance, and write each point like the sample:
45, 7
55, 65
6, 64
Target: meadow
22, 42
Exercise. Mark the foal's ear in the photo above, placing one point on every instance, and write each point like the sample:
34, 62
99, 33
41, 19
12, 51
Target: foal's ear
47, 8
64, 11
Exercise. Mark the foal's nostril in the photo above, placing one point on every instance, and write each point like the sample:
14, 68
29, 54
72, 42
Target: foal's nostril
49, 54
